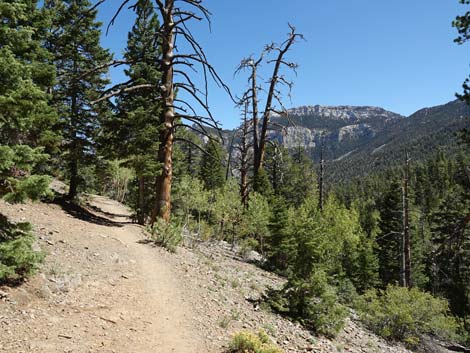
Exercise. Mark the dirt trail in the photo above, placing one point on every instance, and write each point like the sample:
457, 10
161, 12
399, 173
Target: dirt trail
101, 290
104, 289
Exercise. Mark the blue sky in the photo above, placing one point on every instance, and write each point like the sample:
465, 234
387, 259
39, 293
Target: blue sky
397, 54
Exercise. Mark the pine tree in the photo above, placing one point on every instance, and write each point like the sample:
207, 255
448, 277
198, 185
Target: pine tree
366, 268
80, 62
462, 24
281, 244
451, 255
212, 170
26, 120
389, 238
132, 133
26, 127
299, 181
25, 76
17, 257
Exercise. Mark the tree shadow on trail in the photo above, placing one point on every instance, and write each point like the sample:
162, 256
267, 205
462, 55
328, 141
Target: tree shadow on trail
84, 214
107, 214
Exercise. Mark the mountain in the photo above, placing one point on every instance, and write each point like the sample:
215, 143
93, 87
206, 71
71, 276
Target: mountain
360, 139
342, 129
421, 135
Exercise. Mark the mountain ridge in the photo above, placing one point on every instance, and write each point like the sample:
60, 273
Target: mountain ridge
358, 136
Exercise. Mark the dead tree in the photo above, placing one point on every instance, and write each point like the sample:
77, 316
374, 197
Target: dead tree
228, 170
243, 148
175, 16
321, 177
405, 277
252, 94
273, 92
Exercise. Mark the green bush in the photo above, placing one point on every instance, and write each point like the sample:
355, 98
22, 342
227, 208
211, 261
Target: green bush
35, 187
167, 235
247, 245
346, 291
17, 179
314, 303
247, 342
17, 257
405, 314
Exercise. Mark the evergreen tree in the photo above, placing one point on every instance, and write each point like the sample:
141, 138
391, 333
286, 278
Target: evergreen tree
26, 127
326, 250
80, 62
389, 238
212, 170
191, 153
26, 120
18, 259
281, 244
291, 176
25, 77
451, 261
462, 24
131, 134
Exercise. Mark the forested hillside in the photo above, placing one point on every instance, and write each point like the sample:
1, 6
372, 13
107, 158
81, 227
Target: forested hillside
362, 213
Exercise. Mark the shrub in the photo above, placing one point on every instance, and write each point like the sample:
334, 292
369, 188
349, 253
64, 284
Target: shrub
17, 257
314, 303
247, 342
247, 245
17, 179
405, 314
167, 235
34, 187
346, 291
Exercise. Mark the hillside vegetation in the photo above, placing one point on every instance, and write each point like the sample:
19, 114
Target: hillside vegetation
350, 217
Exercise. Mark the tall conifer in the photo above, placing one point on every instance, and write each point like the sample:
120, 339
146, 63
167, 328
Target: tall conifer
81, 68
132, 133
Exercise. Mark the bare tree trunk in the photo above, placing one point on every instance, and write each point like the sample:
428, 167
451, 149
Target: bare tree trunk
406, 243
229, 159
243, 148
73, 178
254, 100
162, 206
321, 179
141, 214
73, 164
190, 159
275, 79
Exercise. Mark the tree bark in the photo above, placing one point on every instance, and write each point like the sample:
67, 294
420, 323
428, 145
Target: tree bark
73, 163
244, 159
254, 89
162, 206
321, 178
141, 214
228, 171
406, 280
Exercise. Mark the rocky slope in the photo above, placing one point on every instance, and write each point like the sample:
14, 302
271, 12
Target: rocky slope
104, 289
342, 128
